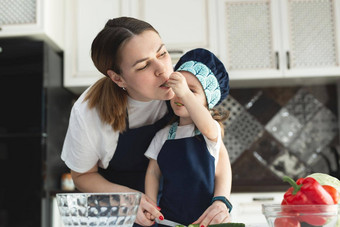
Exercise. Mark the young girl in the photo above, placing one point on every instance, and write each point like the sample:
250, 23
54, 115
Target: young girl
186, 152
112, 123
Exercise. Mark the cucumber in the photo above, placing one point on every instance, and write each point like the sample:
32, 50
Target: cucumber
217, 225
228, 225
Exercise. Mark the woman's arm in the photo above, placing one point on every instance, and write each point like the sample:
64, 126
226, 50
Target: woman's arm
92, 181
218, 211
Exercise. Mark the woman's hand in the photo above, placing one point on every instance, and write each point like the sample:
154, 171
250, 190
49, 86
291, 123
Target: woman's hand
146, 211
215, 214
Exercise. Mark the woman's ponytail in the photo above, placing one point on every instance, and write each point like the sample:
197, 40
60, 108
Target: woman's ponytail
110, 101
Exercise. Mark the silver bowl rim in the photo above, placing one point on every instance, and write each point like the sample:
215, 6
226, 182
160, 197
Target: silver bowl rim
97, 193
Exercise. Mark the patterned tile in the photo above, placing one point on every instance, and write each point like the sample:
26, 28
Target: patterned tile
316, 134
303, 106
266, 148
284, 127
263, 108
241, 133
247, 170
327, 95
234, 147
288, 164
281, 95
243, 96
231, 105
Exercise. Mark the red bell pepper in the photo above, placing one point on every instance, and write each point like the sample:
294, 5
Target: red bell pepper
307, 191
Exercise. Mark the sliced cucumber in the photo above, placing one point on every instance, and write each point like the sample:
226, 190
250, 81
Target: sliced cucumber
217, 225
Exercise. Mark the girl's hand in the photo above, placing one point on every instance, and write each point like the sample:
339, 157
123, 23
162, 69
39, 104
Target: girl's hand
215, 214
147, 209
178, 83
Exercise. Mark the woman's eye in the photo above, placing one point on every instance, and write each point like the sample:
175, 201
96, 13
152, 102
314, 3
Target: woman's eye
164, 53
142, 67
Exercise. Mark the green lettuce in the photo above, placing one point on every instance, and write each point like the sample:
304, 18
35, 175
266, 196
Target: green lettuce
325, 179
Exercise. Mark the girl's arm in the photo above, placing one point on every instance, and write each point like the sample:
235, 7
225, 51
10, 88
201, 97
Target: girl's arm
152, 178
218, 211
199, 114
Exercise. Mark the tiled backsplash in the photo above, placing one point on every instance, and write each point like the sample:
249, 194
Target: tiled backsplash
277, 131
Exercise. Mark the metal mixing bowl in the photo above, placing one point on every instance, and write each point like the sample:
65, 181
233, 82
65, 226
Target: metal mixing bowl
98, 209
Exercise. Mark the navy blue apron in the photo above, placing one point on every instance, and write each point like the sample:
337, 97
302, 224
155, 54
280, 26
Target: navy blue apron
128, 164
188, 171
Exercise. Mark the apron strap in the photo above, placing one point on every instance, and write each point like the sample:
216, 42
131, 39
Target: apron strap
173, 129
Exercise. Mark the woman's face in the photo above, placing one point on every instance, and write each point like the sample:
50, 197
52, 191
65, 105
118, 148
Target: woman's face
145, 67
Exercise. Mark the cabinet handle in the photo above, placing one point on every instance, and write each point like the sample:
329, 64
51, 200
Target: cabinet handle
0, 50
263, 198
288, 60
277, 60
175, 51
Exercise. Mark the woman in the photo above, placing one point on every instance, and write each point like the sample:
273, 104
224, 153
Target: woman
113, 121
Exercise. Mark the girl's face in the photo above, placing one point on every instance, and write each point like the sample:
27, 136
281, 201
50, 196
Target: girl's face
145, 68
177, 104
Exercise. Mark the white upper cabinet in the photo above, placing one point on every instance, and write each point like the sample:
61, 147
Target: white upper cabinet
279, 38
40, 19
311, 37
85, 18
183, 25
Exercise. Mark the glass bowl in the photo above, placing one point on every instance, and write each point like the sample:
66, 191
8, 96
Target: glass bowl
98, 209
301, 215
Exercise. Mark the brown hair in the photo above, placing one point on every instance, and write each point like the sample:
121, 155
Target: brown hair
220, 117
105, 95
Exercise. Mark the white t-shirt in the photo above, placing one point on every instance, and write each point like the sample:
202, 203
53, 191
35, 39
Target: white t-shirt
89, 141
182, 132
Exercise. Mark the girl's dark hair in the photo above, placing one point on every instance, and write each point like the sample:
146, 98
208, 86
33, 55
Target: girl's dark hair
109, 99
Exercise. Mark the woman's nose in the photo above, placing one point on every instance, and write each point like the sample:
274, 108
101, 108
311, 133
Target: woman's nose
160, 69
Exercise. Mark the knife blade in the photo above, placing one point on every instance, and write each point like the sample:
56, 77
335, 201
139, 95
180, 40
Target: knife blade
168, 222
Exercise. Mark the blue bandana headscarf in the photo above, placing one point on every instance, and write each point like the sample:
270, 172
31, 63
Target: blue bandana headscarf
210, 71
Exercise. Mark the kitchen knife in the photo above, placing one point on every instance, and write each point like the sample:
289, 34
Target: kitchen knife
168, 222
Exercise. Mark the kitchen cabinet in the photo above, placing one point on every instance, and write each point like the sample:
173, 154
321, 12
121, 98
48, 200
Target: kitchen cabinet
56, 218
280, 38
38, 19
85, 19
34, 117
183, 25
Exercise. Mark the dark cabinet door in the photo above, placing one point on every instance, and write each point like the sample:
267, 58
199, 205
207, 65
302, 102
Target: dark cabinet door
21, 82
21, 181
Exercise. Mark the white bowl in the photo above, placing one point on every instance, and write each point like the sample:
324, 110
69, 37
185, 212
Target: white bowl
98, 209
